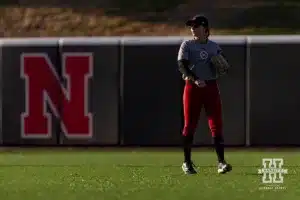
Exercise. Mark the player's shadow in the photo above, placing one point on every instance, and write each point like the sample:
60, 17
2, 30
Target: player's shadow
159, 166
237, 169
250, 170
201, 166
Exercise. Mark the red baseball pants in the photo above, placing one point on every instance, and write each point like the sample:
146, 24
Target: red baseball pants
194, 98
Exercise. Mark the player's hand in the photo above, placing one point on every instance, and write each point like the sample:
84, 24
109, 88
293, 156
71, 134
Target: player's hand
200, 83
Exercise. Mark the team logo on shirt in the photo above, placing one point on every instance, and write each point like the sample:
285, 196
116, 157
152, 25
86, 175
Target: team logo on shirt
203, 55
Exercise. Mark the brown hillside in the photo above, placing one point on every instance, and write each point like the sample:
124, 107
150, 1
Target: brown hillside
160, 17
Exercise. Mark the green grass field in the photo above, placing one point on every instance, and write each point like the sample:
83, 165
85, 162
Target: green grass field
109, 174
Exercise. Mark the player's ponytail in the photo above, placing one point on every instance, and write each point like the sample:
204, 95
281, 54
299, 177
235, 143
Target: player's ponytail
207, 31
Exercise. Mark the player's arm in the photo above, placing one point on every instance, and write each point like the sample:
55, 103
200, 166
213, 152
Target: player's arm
183, 62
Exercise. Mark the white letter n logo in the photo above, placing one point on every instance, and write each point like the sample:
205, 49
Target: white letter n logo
69, 104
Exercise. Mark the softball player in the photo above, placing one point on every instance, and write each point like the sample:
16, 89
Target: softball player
201, 89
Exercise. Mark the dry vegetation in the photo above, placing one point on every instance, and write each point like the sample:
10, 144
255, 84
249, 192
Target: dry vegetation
105, 20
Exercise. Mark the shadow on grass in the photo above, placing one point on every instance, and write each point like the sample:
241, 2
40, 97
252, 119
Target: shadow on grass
200, 166
135, 165
203, 169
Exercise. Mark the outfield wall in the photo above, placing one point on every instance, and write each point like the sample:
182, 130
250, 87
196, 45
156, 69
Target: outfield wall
128, 91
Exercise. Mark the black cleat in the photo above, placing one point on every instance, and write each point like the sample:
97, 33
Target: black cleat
224, 168
188, 168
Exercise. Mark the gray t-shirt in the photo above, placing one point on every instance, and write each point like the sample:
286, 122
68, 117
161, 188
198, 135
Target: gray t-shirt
199, 55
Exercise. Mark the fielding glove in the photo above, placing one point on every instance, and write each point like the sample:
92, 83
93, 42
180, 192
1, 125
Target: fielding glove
220, 64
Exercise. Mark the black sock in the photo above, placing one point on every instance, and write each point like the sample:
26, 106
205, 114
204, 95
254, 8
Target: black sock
187, 154
219, 147
187, 147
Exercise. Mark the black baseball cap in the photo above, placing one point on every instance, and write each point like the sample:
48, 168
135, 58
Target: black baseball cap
197, 20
